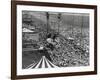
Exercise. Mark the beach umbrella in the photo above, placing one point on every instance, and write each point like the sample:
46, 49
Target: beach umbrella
43, 63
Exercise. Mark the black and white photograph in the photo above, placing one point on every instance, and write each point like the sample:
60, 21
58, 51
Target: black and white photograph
54, 39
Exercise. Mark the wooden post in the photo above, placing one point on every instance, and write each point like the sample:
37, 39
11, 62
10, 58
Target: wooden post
73, 24
47, 16
59, 19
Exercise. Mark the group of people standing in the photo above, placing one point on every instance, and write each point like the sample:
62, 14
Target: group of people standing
51, 44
